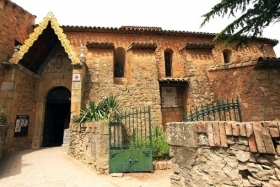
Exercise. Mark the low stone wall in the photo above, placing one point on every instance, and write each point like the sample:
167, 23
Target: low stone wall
3, 134
89, 143
224, 154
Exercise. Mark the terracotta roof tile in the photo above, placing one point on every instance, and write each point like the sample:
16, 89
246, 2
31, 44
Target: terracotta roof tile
148, 30
140, 28
100, 45
173, 80
145, 46
198, 46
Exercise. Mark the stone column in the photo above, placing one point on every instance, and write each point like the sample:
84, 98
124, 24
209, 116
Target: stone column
76, 92
39, 123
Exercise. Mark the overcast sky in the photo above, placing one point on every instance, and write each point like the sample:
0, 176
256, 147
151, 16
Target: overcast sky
181, 15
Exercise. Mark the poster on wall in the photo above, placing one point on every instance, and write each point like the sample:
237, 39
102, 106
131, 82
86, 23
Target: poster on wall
21, 125
169, 97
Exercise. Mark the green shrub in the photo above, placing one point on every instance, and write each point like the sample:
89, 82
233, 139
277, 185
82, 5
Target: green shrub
160, 145
107, 109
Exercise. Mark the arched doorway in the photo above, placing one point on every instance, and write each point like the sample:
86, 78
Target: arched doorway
57, 116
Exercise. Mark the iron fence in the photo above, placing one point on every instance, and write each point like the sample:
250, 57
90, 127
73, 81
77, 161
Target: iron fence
217, 111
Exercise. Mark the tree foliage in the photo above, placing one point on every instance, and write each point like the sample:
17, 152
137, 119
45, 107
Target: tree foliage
255, 16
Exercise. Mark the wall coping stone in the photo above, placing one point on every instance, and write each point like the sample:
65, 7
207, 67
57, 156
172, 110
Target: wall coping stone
259, 135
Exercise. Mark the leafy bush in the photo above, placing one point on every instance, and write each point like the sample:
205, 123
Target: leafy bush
159, 141
107, 109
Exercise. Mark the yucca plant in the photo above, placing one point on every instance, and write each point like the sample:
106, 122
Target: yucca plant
107, 109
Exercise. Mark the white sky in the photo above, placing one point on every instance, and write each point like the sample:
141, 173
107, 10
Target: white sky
181, 15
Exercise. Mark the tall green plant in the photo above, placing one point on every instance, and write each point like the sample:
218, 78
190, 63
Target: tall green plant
160, 145
107, 109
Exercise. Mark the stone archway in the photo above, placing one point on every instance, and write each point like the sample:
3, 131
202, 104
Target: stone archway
57, 116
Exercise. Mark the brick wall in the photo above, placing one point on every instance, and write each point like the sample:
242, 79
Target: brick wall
20, 101
257, 89
15, 24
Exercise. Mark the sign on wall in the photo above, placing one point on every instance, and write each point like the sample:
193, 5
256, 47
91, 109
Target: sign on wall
168, 97
21, 125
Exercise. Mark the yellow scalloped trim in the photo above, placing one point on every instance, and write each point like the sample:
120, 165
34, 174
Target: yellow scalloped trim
38, 31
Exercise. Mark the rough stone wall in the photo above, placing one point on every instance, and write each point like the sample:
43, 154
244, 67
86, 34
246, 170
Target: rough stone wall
257, 88
143, 68
19, 101
15, 26
224, 153
90, 145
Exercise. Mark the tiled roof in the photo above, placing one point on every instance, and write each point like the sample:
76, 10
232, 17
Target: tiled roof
173, 80
145, 46
99, 45
259, 135
135, 30
198, 46
140, 28
148, 30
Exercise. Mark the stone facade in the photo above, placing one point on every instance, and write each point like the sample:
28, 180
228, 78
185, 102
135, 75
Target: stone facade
83, 60
89, 144
224, 153
17, 86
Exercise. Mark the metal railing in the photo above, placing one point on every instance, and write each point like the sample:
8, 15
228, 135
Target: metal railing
132, 130
217, 111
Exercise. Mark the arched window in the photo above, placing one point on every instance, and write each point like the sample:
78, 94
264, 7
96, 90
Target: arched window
168, 62
119, 62
227, 56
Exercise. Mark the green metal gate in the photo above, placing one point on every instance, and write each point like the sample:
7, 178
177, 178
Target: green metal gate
130, 142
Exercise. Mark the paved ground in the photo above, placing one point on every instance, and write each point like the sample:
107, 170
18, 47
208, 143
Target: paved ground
51, 167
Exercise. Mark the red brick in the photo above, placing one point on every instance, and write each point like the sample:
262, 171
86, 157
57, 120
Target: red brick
251, 138
223, 136
201, 127
216, 134
228, 128
242, 129
210, 134
257, 127
235, 129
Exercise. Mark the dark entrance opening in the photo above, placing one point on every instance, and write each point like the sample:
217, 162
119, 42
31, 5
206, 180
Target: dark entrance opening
57, 116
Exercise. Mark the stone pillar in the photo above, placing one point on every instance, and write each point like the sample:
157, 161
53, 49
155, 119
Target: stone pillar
77, 90
39, 121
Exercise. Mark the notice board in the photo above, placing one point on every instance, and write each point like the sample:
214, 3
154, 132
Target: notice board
21, 125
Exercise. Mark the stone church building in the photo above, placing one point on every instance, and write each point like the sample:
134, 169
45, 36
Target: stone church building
49, 72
